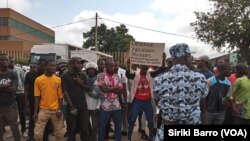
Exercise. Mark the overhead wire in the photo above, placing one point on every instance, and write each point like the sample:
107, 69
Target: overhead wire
149, 29
105, 19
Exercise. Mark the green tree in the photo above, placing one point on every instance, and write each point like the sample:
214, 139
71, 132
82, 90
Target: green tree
111, 40
226, 25
22, 61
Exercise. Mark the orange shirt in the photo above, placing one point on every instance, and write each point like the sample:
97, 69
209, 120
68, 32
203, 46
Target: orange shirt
143, 89
49, 90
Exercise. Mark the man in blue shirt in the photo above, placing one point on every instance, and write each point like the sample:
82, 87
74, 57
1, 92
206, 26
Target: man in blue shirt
179, 91
203, 65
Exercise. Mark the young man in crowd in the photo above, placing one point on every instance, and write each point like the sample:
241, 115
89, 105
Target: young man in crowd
123, 97
8, 106
216, 100
92, 98
240, 99
203, 66
19, 94
48, 102
29, 98
74, 87
141, 95
109, 83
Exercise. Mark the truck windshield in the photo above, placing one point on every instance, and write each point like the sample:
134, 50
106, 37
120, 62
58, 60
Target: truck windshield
35, 57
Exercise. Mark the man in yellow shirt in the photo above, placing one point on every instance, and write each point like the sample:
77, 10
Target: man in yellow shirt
48, 99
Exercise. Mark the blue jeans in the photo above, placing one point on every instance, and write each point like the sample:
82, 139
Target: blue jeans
104, 121
137, 106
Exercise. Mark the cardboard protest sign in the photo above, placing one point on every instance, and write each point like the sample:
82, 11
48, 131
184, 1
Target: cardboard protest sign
145, 53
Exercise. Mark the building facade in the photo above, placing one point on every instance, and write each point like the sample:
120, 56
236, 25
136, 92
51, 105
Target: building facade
19, 33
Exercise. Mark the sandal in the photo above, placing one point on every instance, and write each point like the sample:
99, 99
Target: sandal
144, 136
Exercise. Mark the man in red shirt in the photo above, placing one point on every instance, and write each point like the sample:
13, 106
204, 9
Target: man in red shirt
140, 98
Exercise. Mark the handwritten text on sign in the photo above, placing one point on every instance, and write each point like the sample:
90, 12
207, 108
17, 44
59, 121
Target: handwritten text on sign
144, 53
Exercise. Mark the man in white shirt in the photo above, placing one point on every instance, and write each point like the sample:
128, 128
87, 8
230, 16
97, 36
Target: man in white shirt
123, 99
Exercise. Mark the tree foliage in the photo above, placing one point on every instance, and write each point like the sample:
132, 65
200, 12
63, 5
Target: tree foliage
111, 40
22, 61
226, 25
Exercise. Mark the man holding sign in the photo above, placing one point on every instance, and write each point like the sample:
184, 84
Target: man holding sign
140, 98
141, 93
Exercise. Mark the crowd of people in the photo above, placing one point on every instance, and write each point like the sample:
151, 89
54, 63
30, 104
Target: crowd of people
104, 98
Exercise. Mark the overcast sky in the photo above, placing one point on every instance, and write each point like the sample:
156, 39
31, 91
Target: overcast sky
168, 16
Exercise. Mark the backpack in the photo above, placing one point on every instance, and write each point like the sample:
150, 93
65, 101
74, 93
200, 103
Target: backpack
216, 99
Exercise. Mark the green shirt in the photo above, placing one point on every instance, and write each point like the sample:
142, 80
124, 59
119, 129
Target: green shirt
241, 92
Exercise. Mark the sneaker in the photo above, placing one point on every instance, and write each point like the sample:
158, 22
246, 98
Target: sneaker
112, 136
144, 135
111, 130
24, 134
139, 130
66, 134
8, 134
124, 133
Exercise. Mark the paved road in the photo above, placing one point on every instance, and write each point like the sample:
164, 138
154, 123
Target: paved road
135, 137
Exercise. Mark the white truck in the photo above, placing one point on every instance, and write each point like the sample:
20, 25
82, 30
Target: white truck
51, 51
48, 51
63, 51
90, 55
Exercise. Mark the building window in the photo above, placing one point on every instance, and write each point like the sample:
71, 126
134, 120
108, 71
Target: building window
3, 21
9, 38
30, 30
4, 37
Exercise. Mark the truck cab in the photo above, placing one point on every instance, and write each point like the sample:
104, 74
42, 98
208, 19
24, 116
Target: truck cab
48, 52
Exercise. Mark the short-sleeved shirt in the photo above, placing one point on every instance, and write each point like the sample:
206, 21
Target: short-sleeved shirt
20, 75
8, 98
207, 73
109, 101
143, 89
241, 92
30, 81
212, 80
49, 90
180, 91
75, 91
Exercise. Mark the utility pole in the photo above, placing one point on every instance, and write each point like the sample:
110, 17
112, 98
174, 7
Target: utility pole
96, 32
